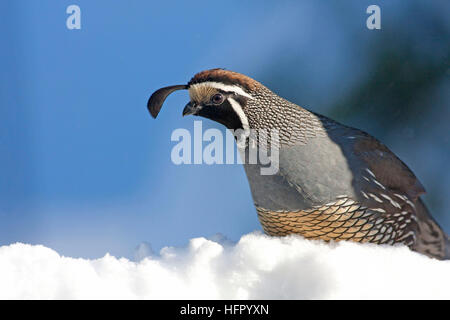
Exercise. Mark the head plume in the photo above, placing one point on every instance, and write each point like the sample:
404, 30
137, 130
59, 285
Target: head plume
158, 97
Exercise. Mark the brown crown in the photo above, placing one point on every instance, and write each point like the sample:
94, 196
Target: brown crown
225, 77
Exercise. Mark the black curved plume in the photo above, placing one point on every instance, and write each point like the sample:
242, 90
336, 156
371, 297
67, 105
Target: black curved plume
158, 97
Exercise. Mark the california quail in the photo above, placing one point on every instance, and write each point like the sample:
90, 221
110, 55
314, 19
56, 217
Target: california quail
334, 182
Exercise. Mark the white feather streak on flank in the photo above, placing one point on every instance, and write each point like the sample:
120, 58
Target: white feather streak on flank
370, 172
379, 184
400, 196
386, 196
411, 204
365, 194
394, 203
406, 235
374, 197
223, 87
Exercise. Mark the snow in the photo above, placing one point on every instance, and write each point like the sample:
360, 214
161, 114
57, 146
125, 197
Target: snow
256, 267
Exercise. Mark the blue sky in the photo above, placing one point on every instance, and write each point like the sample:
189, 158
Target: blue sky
86, 170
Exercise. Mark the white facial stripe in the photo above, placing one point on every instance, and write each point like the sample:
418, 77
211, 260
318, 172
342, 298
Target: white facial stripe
223, 87
238, 109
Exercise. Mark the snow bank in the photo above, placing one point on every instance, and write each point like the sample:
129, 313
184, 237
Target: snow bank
257, 267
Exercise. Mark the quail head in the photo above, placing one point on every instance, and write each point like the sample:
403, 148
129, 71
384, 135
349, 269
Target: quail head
333, 182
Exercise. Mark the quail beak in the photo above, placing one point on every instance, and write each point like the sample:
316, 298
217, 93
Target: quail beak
191, 108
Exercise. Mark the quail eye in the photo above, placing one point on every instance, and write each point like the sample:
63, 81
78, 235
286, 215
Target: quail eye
217, 98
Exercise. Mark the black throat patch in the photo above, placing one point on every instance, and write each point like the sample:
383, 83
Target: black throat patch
224, 114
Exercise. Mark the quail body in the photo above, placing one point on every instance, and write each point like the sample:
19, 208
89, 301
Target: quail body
333, 182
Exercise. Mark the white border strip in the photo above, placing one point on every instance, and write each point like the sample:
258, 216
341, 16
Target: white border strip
238, 109
223, 87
